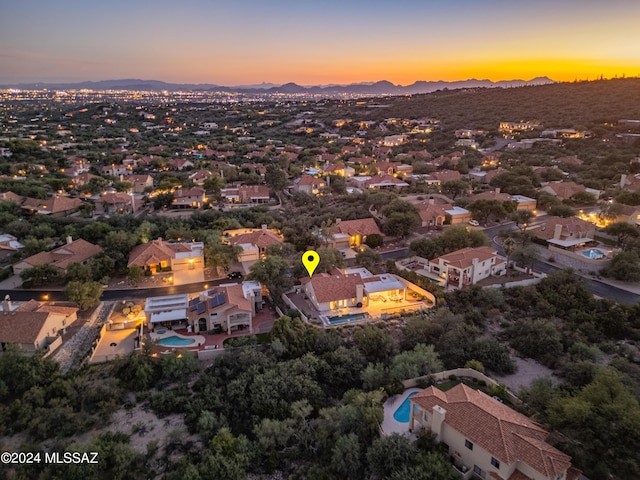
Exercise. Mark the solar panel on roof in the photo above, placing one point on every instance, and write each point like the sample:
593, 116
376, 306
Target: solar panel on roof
212, 292
194, 301
193, 308
217, 300
201, 308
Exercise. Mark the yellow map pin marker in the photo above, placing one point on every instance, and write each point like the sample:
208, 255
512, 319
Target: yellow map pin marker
310, 260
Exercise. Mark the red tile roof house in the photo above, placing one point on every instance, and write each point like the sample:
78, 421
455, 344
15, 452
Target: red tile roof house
254, 242
140, 183
159, 254
564, 190
181, 164
193, 198
385, 182
225, 308
33, 326
55, 206
566, 233
74, 251
246, 194
468, 266
352, 233
116, 203
309, 185
200, 176
487, 437
331, 292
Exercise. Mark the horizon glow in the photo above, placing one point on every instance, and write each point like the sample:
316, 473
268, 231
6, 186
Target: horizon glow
200, 41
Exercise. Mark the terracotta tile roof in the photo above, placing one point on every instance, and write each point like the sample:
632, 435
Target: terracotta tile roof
35, 306
52, 205
463, 258
446, 175
11, 197
363, 226
139, 178
230, 299
77, 251
192, 192
308, 180
518, 475
155, 251
571, 227
22, 327
506, 434
331, 288
565, 189
115, 198
500, 196
429, 212
572, 160
385, 179
259, 238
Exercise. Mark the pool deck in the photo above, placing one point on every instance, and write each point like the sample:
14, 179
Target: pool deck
391, 425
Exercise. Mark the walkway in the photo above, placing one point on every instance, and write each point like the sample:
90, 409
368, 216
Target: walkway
74, 349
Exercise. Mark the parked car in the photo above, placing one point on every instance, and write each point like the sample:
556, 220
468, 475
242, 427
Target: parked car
235, 276
474, 223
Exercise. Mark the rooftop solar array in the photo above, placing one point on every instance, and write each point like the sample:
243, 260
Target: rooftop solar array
218, 300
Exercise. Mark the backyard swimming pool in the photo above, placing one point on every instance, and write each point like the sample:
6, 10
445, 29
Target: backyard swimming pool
402, 413
593, 254
175, 341
347, 318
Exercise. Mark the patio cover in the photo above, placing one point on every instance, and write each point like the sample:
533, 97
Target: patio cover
169, 316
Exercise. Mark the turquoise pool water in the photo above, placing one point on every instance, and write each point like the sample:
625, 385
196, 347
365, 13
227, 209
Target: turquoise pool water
593, 253
347, 318
174, 341
403, 411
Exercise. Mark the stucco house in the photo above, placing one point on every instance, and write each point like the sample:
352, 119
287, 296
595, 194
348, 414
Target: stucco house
486, 438
352, 233
34, 326
309, 185
467, 266
194, 197
158, 254
566, 233
254, 242
246, 194
225, 308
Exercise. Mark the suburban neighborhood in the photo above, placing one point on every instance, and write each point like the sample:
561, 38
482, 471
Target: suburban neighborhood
154, 242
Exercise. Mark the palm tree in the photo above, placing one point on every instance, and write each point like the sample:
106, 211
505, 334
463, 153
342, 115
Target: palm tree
509, 246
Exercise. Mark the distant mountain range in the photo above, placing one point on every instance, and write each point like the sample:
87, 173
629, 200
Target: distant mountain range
383, 87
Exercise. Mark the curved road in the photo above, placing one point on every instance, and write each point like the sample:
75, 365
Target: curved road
599, 288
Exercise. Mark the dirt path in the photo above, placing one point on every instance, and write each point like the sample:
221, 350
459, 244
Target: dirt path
527, 371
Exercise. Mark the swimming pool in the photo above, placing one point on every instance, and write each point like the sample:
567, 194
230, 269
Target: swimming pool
402, 413
175, 341
593, 254
347, 318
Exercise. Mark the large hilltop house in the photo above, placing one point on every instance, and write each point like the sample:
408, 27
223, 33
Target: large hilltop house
158, 255
223, 308
55, 206
467, 266
487, 439
74, 251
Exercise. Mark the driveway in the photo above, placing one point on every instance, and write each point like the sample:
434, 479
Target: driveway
185, 277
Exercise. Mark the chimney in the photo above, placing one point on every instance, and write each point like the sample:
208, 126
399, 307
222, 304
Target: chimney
432, 201
264, 227
69, 240
338, 220
437, 419
557, 231
498, 191
623, 180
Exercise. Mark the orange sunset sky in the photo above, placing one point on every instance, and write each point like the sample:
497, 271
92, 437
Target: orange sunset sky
239, 43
